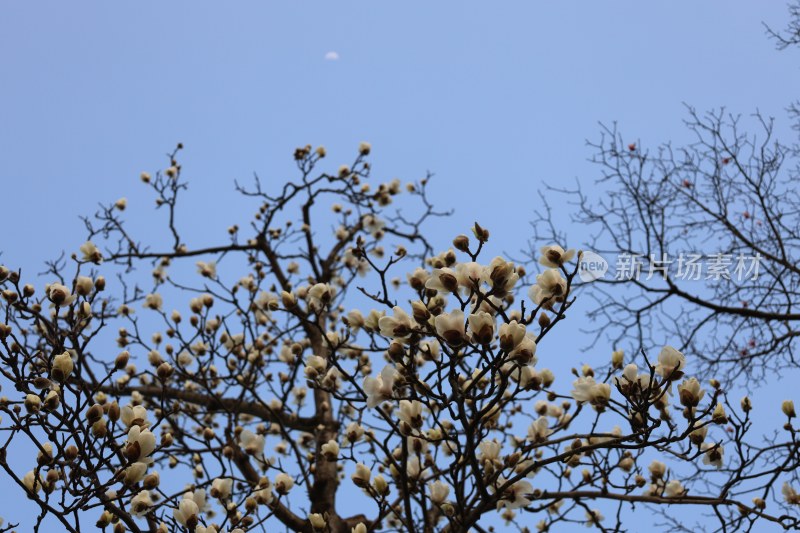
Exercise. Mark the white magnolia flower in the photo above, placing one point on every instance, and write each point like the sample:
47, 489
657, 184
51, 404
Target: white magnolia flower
554, 256
439, 492
593, 518
515, 496
511, 334
670, 363
141, 443
187, 512
673, 489
91, 253
539, 430
550, 287
481, 325
319, 296
221, 488
470, 275
131, 414
789, 494
207, 270
153, 301
398, 327
525, 352
588, 390
450, 326
411, 413
141, 503
690, 392
283, 483
380, 388
62, 367
59, 294
714, 454
361, 476
501, 275
442, 280
252, 443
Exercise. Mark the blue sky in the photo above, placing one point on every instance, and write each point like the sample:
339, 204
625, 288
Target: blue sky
496, 98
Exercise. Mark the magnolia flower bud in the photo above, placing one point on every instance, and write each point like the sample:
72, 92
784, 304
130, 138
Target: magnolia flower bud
361, 475
364, 148
380, 485
288, 299
62, 367
617, 358
330, 450
317, 521
788, 408
461, 243
283, 483
719, 416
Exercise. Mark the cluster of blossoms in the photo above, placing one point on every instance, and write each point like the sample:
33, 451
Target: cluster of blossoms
267, 394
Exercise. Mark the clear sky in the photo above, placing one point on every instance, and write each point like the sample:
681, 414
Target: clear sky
496, 98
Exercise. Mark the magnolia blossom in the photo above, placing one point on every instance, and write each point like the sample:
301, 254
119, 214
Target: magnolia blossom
514, 496
690, 392
398, 327
62, 366
439, 492
221, 488
330, 450
283, 483
501, 275
141, 443
59, 294
550, 287
554, 256
361, 475
490, 452
593, 518
789, 494
141, 503
673, 489
470, 275
713, 454
319, 296
253, 444
587, 390
134, 414
187, 512
411, 413
443, 280
450, 326
525, 351
481, 324
511, 334
91, 253
207, 270
539, 430
153, 301
380, 388
670, 363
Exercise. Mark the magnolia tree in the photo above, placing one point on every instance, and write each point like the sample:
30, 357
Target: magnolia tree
325, 369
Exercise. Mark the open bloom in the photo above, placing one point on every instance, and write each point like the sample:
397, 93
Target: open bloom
207, 270
59, 294
380, 388
670, 363
539, 430
319, 296
186, 512
91, 253
515, 496
399, 327
253, 444
481, 324
221, 488
450, 326
470, 275
439, 492
141, 503
587, 390
690, 392
502, 275
554, 256
411, 413
789, 494
550, 287
713, 454
673, 489
442, 280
